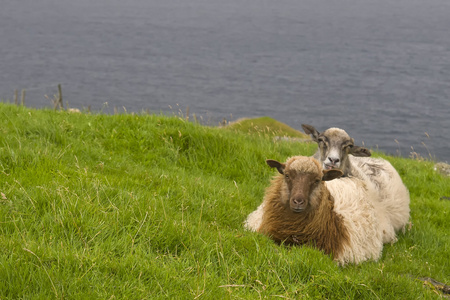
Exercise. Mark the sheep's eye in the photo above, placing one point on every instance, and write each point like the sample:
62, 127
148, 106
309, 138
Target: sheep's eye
317, 181
286, 176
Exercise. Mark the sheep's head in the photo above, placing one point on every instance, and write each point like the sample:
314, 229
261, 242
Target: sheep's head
334, 147
303, 177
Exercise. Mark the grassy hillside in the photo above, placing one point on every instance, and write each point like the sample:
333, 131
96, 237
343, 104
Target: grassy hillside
265, 126
149, 206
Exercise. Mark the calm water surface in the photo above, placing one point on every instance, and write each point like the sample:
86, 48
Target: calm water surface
378, 69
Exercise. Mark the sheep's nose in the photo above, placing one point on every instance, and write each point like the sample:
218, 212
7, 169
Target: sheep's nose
298, 201
333, 160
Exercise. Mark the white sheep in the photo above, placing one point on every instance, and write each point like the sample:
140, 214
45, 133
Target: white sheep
335, 216
335, 145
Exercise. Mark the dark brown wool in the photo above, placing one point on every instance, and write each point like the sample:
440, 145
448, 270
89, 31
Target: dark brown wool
320, 227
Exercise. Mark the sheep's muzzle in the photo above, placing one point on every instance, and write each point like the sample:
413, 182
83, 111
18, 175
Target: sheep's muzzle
298, 205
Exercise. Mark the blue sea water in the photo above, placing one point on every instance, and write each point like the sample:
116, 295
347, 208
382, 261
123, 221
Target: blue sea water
378, 69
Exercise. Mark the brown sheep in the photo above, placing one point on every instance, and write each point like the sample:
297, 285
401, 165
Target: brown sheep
304, 205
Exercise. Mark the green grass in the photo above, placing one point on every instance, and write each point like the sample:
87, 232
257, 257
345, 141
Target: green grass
265, 126
130, 206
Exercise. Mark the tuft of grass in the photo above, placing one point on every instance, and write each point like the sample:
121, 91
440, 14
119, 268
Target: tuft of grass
265, 126
152, 207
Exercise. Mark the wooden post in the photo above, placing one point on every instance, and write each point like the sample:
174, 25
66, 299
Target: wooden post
16, 96
60, 97
23, 97
58, 100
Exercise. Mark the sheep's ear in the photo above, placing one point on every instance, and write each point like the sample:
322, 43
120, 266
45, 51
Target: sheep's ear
276, 164
312, 131
360, 151
331, 174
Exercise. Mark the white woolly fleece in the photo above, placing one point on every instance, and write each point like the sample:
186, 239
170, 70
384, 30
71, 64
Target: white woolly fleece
393, 196
351, 201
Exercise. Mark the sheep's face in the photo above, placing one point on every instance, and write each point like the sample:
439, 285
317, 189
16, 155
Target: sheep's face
303, 177
334, 147
301, 186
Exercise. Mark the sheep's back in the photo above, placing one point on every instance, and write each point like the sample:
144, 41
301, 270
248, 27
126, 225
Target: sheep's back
393, 194
351, 201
